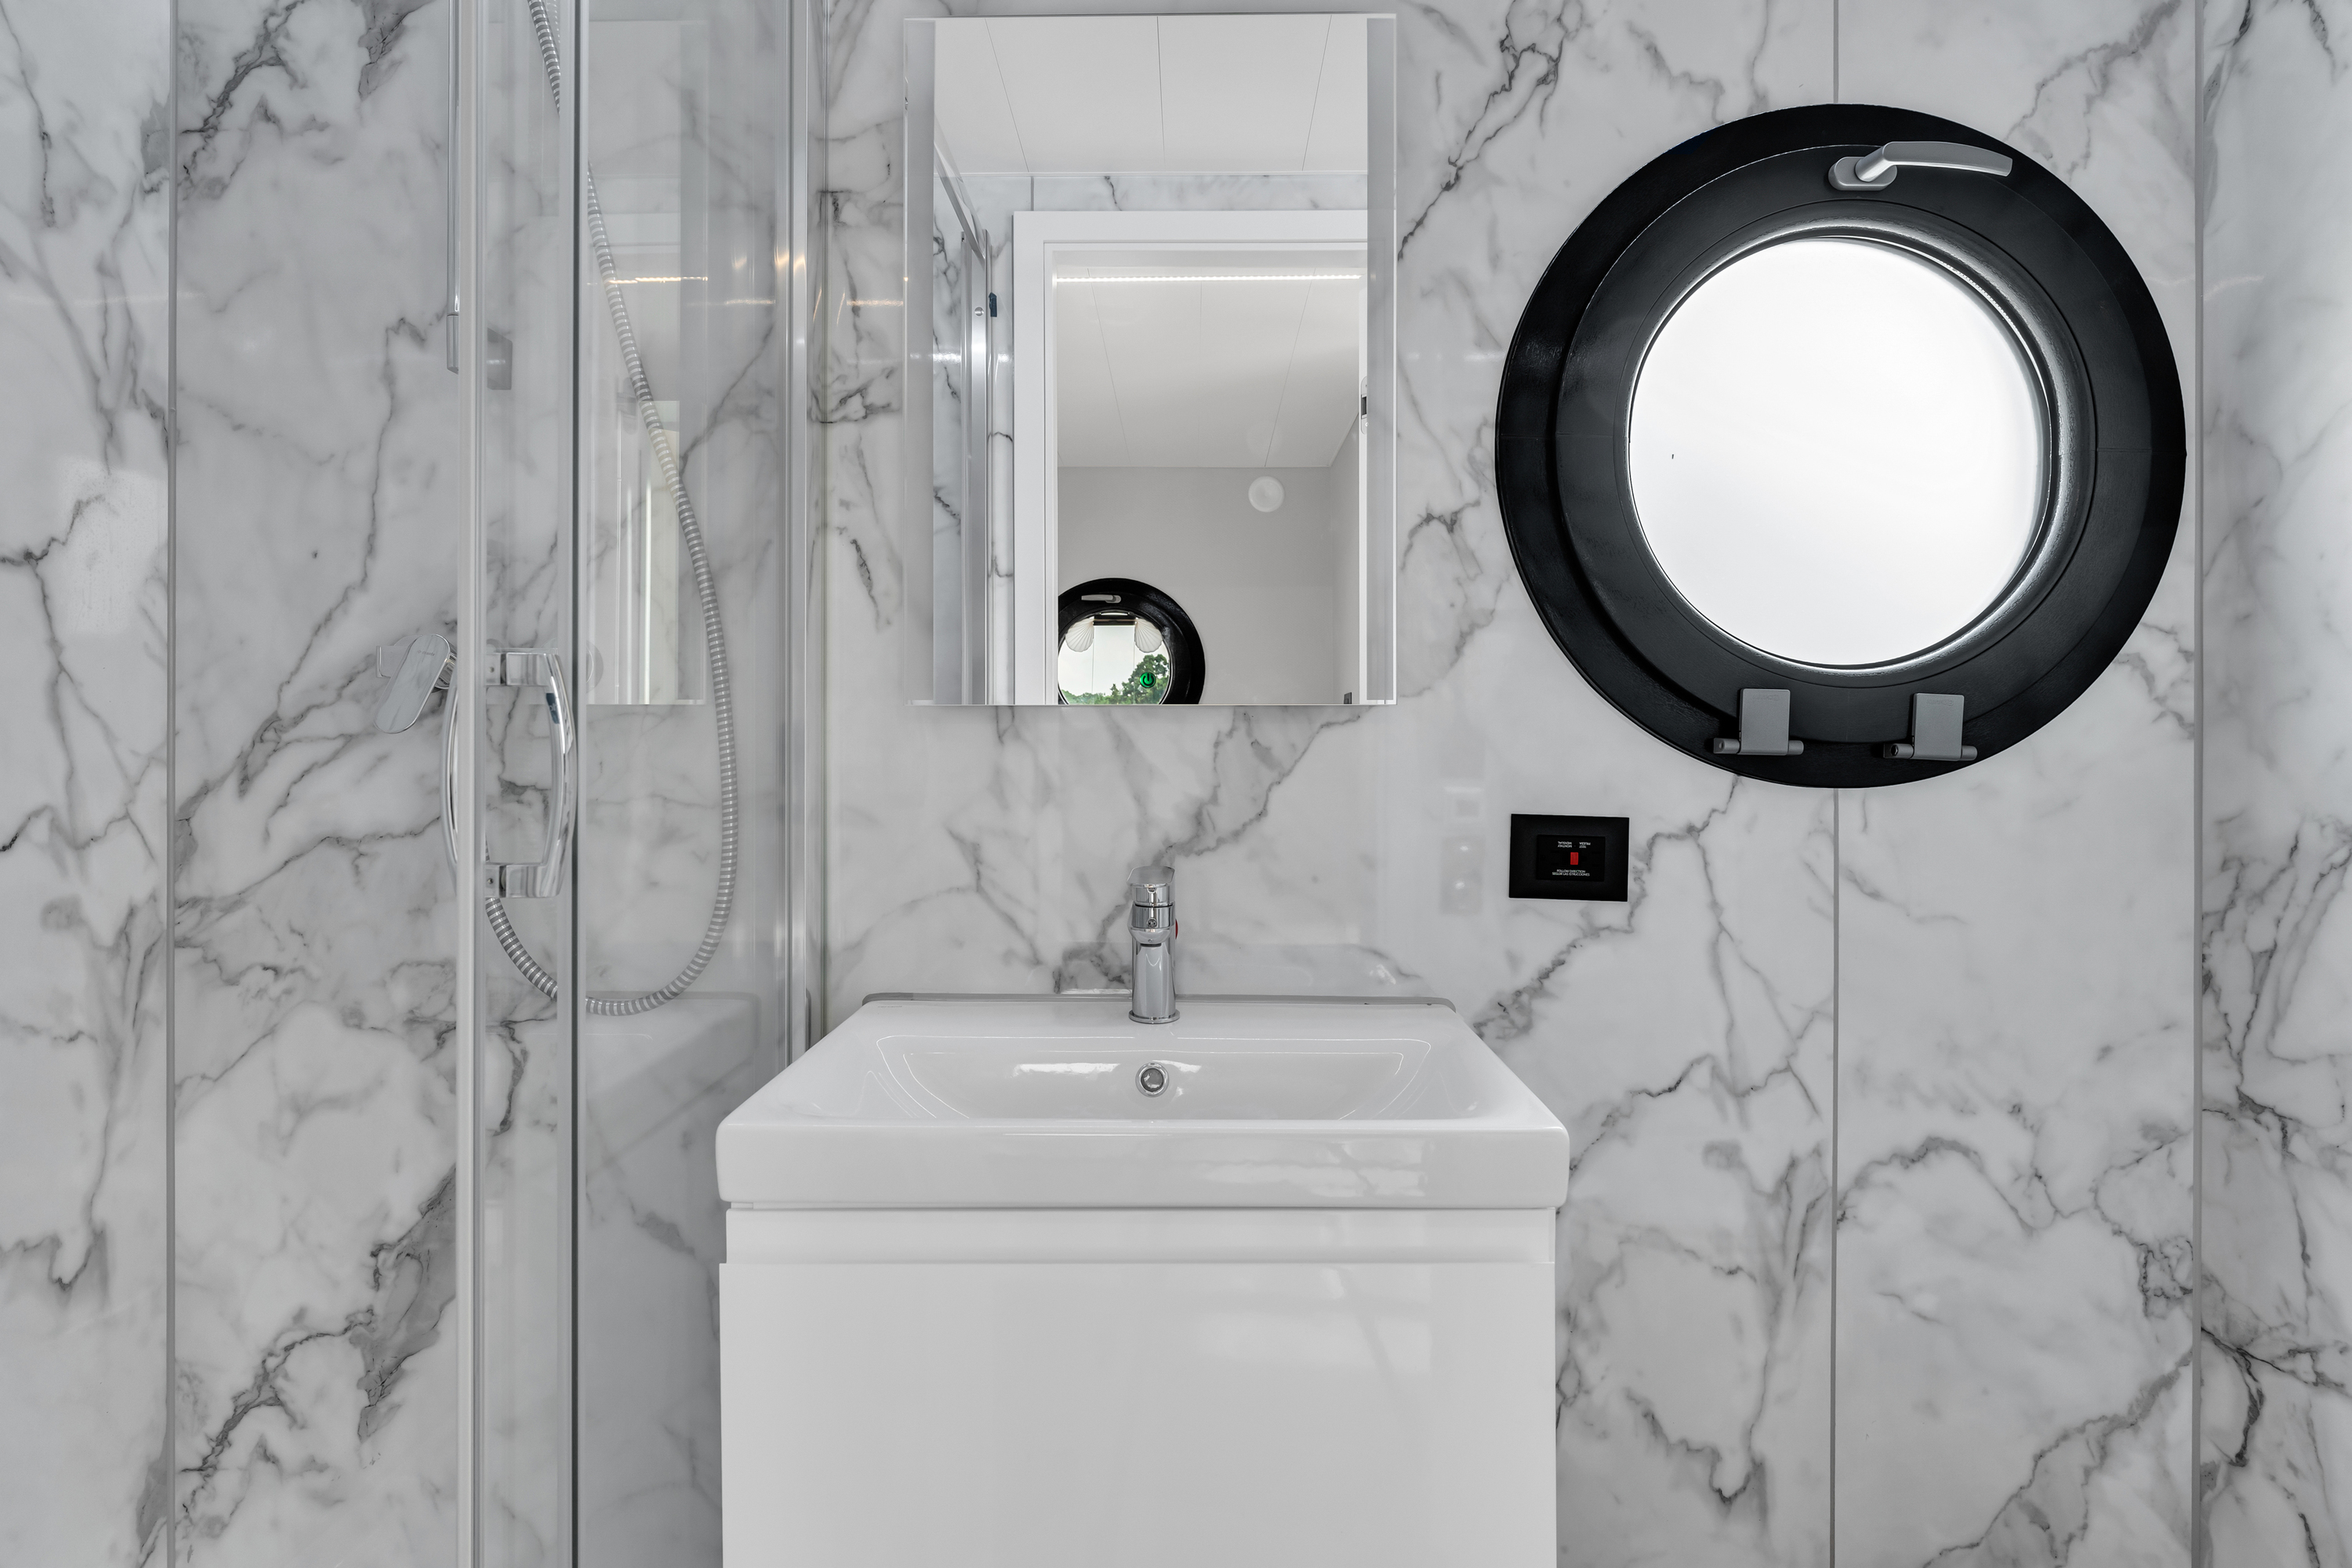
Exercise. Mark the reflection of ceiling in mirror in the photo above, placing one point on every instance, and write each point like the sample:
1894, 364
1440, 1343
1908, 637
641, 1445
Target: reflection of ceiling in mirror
1044, 95
1239, 360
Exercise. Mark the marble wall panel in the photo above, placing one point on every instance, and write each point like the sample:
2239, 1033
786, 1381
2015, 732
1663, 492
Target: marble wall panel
2014, 1317
2277, 1216
315, 925
1684, 1036
85, 220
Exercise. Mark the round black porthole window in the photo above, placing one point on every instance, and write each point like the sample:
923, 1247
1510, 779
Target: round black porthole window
1126, 644
1841, 446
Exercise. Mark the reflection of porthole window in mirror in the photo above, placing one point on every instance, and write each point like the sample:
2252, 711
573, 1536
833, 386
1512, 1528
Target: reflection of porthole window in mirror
1114, 659
1126, 644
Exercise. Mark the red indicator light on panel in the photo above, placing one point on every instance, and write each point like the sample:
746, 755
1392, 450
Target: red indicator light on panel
1568, 856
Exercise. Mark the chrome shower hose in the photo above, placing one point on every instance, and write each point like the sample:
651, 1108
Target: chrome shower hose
714, 639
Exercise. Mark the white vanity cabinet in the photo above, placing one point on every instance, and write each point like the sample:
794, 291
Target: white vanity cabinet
987, 1301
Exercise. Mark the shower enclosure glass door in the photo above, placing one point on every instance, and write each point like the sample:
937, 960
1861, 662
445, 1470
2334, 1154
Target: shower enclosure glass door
624, 372
520, 319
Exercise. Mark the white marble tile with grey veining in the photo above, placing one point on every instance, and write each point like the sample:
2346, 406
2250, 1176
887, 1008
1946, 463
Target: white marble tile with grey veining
315, 922
2014, 1313
2277, 1243
84, 317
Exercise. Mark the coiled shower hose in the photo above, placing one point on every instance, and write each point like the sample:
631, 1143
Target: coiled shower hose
714, 639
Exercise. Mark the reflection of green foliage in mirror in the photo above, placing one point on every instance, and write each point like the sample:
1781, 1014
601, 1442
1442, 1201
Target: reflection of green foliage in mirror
1146, 684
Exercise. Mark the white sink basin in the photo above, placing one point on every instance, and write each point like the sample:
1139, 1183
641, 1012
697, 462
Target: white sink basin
998, 1102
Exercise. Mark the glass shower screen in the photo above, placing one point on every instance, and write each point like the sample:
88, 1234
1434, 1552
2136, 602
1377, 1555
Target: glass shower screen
624, 379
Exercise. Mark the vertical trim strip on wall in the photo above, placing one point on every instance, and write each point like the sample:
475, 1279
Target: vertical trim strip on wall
2198, 163
169, 895
572, 974
1381, 250
803, 299
465, 689
1837, 1068
453, 323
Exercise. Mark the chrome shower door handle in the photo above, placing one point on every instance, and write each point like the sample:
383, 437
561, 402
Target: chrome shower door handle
417, 669
451, 715
541, 671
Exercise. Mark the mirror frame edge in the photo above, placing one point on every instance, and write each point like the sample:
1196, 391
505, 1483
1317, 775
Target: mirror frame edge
919, 678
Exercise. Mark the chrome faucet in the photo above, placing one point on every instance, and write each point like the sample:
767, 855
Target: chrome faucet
1152, 922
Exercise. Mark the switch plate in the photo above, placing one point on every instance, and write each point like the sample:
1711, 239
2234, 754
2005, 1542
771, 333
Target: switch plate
1569, 856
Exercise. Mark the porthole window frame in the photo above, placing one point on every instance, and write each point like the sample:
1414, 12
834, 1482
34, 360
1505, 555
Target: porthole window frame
2042, 262
1187, 664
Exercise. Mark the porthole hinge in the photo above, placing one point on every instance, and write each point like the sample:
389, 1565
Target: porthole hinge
1935, 729
1763, 726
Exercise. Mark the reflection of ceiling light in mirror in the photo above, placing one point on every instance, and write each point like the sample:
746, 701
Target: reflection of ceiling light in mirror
1264, 492
1147, 637
1081, 637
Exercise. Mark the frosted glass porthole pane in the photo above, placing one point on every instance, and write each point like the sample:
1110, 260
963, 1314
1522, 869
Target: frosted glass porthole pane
1837, 452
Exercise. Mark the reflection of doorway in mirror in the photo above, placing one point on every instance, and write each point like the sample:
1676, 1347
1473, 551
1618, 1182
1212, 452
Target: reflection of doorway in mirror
1235, 159
1189, 357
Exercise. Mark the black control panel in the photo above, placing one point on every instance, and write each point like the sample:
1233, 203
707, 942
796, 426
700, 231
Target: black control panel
1568, 857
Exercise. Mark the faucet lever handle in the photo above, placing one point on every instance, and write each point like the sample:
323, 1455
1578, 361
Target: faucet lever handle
1152, 922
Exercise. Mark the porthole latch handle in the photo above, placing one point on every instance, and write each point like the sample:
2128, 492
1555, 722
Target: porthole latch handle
1876, 171
1763, 726
1935, 729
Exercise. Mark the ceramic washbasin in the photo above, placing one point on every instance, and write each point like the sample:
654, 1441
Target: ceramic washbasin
995, 1102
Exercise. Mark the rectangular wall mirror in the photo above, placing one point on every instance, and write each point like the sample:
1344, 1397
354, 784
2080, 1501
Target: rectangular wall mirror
1151, 360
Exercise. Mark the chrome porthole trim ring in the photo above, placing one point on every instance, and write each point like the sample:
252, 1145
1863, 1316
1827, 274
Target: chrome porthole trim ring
2037, 253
